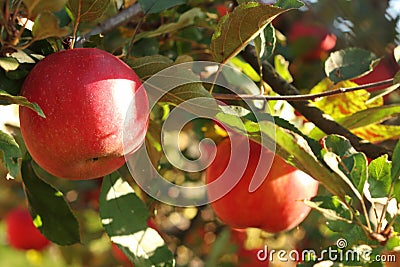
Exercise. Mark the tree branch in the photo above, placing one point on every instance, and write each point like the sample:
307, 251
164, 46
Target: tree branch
313, 114
303, 97
122, 17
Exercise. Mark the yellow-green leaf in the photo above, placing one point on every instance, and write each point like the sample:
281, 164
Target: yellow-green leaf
345, 104
9, 63
46, 25
378, 132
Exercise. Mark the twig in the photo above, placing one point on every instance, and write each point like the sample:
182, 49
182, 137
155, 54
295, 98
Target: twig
122, 17
311, 113
302, 97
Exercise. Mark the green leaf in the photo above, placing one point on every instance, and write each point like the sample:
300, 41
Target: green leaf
237, 29
185, 89
345, 160
36, 7
219, 247
124, 217
379, 179
8, 63
48, 205
393, 243
87, 10
369, 116
186, 19
10, 153
265, 42
153, 143
288, 4
246, 68
8, 85
282, 68
156, 6
145, 67
47, 25
7, 99
349, 63
335, 211
395, 172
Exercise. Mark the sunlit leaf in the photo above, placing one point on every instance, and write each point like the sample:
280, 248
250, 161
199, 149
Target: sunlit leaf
58, 223
379, 179
282, 68
395, 172
47, 25
369, 116
88, 10
156, 6
396, 53
245, 68
345, 160
237, 29
10, 153
335, 211
124, 217
8, 63
36, 7
349, 63
341, 105
378, 132
7, 99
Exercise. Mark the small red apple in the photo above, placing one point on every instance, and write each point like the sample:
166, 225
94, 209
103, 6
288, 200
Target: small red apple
222, 10
86, 95
22, 233
274, 206
312, 41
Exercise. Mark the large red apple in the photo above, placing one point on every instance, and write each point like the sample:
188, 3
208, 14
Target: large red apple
274, 206
85, 94
22, 233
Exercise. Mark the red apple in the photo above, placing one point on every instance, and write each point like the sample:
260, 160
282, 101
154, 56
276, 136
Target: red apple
222, 10
85, 94
274, 206
312, 41
21, 232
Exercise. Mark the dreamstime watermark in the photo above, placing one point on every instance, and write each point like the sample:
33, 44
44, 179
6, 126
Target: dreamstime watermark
179, 84
334, 254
